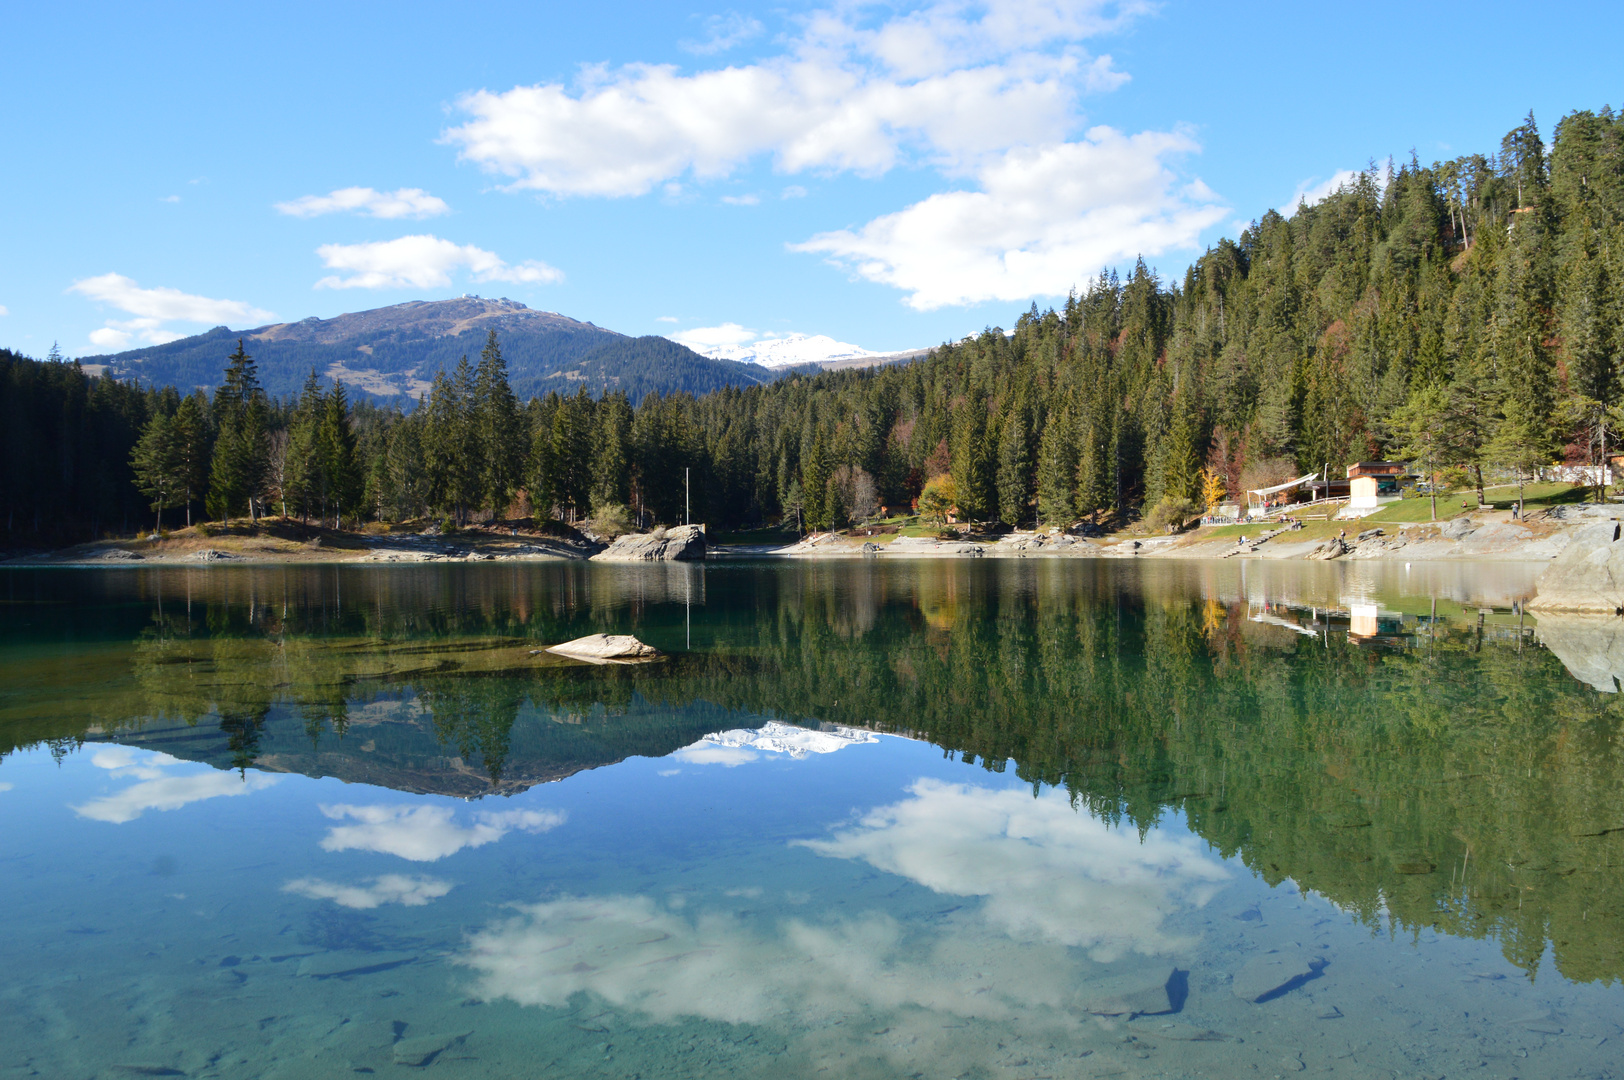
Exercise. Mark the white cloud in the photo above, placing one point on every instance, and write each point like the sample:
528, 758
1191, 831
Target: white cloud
742, 200
387, 889
1314, 190
1044, 216
1048, 872
989, 92
701, 338
426, 833
157, 788
154, 307
170, 199
794, 191
947, 82
422, 262
401, 203
723, 32
6, 786
657, 318
4, 311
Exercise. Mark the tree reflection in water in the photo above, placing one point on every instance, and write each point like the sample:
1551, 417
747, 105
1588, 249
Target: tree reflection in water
1442, 773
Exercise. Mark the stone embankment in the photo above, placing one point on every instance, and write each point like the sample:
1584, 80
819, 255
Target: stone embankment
684, 543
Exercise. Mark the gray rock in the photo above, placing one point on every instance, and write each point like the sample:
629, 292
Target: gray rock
423, 1049
211, 555
607, 649
684, 543
1589, 574
1275, 973
346, 962
1458, 529
1142, 993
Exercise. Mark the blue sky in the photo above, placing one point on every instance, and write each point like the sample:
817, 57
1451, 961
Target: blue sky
892, 175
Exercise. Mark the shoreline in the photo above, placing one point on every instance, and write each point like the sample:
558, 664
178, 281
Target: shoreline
1482, 537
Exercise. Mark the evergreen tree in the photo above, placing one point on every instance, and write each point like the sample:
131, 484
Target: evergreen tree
159, 465
238, 467
500, 430
337, 454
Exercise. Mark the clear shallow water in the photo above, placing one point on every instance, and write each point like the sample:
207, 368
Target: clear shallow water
939, 819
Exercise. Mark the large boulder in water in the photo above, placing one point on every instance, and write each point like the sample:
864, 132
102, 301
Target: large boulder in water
1589, 574
684, 543
607, 648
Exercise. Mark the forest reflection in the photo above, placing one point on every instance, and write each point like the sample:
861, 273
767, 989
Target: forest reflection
1412, 755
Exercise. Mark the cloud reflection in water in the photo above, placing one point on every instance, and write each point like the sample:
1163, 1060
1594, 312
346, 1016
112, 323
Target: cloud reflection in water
157, 787
1049, 875
400, 889
426, 833
1049, 872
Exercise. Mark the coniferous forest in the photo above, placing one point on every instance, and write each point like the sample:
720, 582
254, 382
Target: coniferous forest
1464, 315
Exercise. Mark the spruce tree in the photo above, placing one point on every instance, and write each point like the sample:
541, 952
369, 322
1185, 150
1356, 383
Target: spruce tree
500, 431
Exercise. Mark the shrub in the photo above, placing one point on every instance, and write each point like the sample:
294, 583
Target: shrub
1170, 515
611, 520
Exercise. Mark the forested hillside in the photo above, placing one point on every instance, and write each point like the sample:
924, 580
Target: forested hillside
1462, 315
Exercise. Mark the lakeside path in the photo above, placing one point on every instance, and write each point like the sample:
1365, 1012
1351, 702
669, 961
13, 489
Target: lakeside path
1491, 536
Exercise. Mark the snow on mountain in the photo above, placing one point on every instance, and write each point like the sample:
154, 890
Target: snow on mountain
786, 351
740, 745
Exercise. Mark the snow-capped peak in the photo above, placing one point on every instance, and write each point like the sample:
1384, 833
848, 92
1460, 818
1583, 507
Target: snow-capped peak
778, 351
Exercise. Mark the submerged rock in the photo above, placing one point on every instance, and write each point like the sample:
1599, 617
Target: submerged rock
1589, 574
684, 543
1272, 974
423, 1049
346, 962
1146, 993
607, 649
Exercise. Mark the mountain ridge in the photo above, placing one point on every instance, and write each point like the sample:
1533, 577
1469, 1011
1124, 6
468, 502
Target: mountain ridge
394, 352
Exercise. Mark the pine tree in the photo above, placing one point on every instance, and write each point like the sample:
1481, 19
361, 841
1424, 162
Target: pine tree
337, 454
1014, 467
972, 462
1057, 469
191, 435
160, 465
237, 470
611, 465
500, 431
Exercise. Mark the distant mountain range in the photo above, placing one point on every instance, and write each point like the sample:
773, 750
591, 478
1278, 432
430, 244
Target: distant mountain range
806, 351
391, 352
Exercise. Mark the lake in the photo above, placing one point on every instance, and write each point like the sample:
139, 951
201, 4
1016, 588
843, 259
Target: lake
865, 819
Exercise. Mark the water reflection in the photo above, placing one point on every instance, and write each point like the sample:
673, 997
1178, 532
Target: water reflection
385, 889
1395, 739
160, 785
426, 833
1047, 873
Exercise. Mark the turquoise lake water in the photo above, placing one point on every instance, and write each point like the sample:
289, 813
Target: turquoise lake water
939, 819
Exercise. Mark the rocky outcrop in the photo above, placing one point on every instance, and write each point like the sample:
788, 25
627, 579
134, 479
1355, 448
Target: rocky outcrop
684, 543
607, 648
1589, 574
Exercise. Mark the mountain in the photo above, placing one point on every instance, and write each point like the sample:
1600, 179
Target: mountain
393, 351
806, 351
